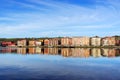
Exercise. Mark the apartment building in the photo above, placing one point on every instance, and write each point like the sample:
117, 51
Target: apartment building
22, 43
66, 41
95, 41
80, 41
108, 41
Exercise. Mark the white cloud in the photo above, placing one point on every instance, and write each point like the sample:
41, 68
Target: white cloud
60, 19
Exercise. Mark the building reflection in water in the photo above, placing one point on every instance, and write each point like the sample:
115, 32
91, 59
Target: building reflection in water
46, 50
53, 51
31, 50
80, 52
8, 50
96, 52
21, 50
38, 50
65, 52
108, 52
117, 52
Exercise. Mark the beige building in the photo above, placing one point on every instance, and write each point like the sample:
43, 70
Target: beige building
108, 41
39, 42
80, 41
50, 42
95, 41
53, 42
66, 41
32, 43
21, 43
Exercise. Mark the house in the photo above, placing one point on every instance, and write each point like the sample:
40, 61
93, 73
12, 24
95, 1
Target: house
12, 45
117, 40
54, 42
66, 41
80, 41
32, 43
46, 42
108, 41
95, 41
7, 43
21, 43
50, 42
4, 43
39, 42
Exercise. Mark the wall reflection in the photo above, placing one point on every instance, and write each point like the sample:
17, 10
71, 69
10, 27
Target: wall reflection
65, 52
21, 50
96, 52
109, 52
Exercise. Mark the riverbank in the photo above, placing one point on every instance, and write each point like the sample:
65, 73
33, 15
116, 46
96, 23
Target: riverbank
118, 47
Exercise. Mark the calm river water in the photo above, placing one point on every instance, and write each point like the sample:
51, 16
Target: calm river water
59, 64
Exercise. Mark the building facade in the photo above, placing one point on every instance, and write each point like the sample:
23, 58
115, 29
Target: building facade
117, 39
39, 42
80, 41
54, 42
95, 41
7, 43
46, 42
66, 41
22, 43
32, 43
108, 41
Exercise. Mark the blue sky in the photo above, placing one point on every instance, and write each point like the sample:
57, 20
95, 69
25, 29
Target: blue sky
50, 18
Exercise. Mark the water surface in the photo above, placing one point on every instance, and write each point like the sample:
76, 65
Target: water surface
59, 64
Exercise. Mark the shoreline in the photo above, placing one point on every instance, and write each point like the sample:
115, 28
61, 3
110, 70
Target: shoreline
118, 47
